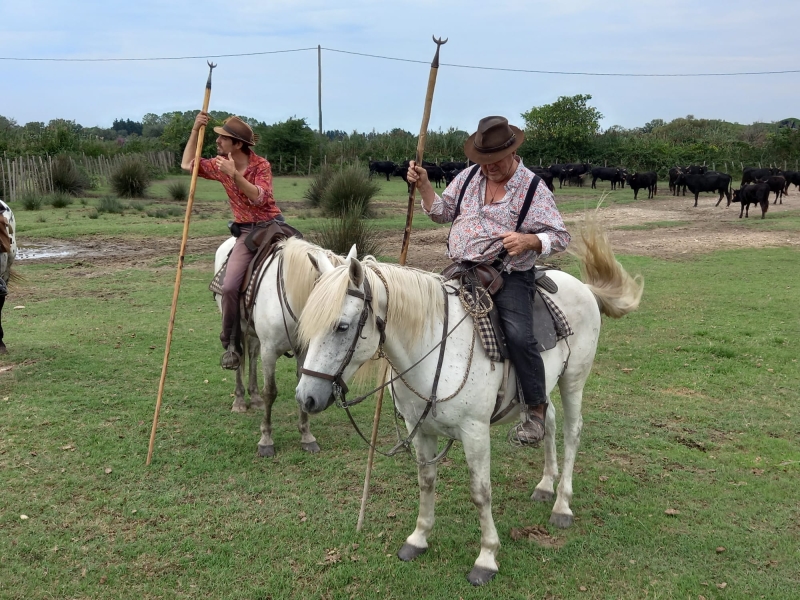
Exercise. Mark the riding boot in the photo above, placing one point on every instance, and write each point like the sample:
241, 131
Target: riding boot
530, 430
232, 358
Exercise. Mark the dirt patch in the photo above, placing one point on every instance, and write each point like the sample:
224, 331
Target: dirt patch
696, 230
537, 534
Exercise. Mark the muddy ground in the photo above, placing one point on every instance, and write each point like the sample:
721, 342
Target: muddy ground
696, 230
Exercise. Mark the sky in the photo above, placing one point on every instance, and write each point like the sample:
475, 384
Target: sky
361, 93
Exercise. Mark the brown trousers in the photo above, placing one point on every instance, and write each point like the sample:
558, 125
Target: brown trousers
238, 262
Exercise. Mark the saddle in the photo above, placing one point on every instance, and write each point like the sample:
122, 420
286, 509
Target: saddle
5, 236
262, 240
549, 322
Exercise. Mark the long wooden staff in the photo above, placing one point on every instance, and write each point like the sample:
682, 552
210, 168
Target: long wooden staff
198, 153
423, 134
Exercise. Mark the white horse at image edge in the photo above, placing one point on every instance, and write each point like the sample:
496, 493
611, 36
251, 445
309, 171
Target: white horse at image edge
414, 321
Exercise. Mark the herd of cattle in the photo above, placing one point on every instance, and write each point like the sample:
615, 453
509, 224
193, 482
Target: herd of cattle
756, 186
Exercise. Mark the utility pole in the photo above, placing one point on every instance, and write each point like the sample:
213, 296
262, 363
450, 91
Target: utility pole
319, 95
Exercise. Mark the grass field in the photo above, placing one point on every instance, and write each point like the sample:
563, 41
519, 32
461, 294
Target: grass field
692, 408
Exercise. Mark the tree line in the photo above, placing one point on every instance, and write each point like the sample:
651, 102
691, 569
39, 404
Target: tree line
568, 130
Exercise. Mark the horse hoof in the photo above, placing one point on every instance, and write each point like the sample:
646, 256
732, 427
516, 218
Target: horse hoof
3, 349
561, 521
266, 451
409, 552
313, 447
542, 495
480, 575
258, 404
239, 406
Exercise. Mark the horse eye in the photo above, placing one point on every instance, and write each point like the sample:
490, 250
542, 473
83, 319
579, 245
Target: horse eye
342, 327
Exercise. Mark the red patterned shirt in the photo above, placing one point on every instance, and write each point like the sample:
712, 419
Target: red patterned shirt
259, 173
478, 225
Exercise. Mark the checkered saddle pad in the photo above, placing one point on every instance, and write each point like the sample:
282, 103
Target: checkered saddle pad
549, 322
253, 283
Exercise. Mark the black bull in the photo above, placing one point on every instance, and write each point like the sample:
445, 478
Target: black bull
716, 182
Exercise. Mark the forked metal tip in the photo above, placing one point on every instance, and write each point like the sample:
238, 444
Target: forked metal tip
213, 65
439, 41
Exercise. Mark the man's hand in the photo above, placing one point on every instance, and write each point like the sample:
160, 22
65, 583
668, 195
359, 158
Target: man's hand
201, 120
226, 165
417, 175
517, 243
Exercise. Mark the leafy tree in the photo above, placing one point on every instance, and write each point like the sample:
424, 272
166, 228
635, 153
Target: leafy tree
563, 129
292, 137
127, 126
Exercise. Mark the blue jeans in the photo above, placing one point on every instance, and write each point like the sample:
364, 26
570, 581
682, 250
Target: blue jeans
515, 306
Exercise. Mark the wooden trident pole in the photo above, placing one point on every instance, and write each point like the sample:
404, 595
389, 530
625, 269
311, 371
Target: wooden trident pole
423, 134
200, 136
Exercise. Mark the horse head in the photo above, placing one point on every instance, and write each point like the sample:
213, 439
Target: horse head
339, 328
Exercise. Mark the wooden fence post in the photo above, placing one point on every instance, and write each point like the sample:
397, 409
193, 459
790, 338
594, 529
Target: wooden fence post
295, 164
309, 165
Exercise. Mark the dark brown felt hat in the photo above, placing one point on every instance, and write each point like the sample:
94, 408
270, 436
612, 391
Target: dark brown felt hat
495, 139
235, 128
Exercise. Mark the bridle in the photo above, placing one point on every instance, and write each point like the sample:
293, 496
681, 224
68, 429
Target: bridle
340, 388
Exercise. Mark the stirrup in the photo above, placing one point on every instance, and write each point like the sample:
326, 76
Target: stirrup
520, 434
230, 359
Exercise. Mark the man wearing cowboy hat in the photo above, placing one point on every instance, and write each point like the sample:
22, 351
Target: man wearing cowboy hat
247, 179
487, 205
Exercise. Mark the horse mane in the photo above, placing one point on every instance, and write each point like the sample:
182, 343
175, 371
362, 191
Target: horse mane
415, 297
299, 274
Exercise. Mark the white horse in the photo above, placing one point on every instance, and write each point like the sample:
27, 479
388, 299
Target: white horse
274, 329
414, 319
8, 237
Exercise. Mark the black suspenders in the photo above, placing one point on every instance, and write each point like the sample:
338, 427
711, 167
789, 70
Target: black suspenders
522, 213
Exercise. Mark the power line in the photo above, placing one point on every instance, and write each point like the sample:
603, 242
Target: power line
543, 72
407, 60
156, 57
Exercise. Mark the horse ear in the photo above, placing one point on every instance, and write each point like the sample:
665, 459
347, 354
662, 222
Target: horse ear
356, 272
353, 252
321, 263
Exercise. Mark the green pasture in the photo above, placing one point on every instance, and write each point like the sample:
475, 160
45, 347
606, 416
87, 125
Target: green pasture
686, 484
692, 407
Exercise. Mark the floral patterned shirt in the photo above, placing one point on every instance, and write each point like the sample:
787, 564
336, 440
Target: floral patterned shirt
259, 173
478, 225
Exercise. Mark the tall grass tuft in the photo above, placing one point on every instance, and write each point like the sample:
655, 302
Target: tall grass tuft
67, 177
60, 199
109, 204
340, 233
178, 190
31, 200
131, 178
317, 187
350, 192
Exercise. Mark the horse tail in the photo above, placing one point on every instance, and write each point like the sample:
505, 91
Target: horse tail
15, 276
617, 293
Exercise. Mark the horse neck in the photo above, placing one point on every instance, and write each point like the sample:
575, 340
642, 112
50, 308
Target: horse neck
299, 275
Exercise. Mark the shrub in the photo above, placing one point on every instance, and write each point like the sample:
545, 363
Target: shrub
109, 204
138, 205
94, 214
60, 199
178, 190
131, 178
317, 187
67, 177
340, 233
350, 192
31, 200
165, 212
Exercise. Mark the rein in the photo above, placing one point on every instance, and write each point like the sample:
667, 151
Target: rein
340, 388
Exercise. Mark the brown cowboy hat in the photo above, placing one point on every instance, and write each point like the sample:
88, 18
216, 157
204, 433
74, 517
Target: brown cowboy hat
235, 128
495, 139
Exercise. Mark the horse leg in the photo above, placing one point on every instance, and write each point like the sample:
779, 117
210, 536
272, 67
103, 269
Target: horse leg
572, 399
307, 441
239, 401
544, 489
253, 351
266, 447
477, 450
417, 543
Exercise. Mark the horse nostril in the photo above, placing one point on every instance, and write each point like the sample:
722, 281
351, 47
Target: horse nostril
309, 403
